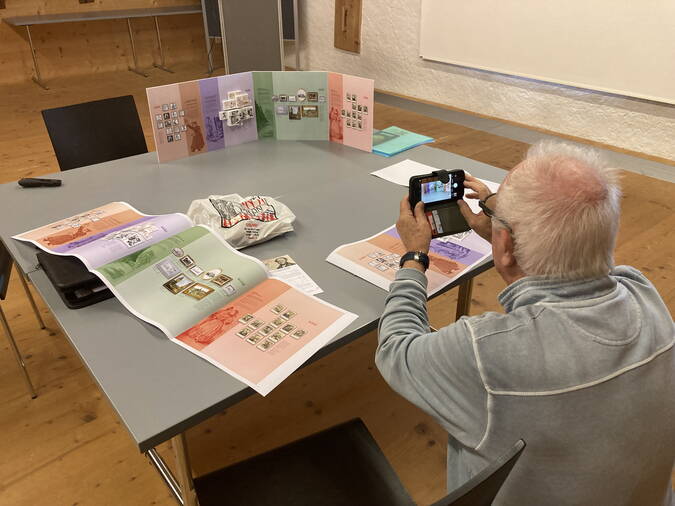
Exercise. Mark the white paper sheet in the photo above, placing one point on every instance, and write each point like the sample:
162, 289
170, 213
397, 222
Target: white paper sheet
401, 172
285, 269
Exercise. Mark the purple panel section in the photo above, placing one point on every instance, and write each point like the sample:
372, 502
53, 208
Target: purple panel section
450, 250
248, 131
211, 105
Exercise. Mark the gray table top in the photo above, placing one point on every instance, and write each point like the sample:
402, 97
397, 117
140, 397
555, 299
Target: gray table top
158, 388
70, 17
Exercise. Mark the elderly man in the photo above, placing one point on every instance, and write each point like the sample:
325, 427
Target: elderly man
581, 365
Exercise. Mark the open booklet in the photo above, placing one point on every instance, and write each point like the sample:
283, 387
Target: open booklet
376, 258
203, 294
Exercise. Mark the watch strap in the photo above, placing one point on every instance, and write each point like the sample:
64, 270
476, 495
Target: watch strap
418, 256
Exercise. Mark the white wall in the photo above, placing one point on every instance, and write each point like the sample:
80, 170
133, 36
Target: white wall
389, 54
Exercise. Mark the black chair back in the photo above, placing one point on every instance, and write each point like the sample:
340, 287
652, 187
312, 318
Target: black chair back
482, 489
95, 132
340, 466
5, 270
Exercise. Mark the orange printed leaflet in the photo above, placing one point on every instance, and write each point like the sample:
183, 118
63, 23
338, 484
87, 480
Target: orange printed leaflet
377, 258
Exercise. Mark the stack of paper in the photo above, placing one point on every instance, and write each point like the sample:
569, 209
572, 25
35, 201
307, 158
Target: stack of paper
394, 140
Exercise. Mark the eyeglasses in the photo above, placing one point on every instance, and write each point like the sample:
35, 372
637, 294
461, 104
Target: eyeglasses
491, 214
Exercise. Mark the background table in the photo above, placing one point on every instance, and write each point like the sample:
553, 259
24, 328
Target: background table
157, 388
128, 14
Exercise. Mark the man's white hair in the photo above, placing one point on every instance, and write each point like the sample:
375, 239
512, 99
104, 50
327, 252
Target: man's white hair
563, 204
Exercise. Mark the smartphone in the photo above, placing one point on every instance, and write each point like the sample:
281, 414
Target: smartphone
440, 192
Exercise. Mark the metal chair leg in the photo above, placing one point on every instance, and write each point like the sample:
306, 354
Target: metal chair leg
31, 299
19, 359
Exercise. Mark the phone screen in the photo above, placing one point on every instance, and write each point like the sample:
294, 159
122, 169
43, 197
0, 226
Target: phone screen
440, 201
433, 189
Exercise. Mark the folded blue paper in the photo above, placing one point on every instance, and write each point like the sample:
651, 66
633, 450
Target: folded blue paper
394, 140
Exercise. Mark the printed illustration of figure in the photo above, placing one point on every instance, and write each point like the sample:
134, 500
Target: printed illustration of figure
67, 236
447, 266
214, 128
212, 327
335, 124
197, 141
283, 262
450, 250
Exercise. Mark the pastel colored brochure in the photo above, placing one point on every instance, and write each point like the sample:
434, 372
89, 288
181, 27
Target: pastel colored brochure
207, 297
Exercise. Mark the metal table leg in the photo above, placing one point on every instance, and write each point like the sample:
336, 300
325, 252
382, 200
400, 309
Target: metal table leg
183, 488
184, 470
36, 79
209, 56
161, 51
19, 358
38, 316
464, 299
164, 471
135, 68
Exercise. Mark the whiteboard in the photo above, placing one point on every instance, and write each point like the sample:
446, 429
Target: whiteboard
625, 47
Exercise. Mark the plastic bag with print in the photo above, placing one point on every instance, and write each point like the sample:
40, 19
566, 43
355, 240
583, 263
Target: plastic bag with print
242, 221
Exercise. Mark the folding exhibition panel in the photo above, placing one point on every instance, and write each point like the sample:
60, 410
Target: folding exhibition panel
194, 117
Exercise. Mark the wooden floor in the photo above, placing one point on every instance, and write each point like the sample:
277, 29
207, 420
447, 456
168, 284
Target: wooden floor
68, 448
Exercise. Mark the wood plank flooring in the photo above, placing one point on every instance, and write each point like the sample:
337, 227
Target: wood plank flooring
67, 447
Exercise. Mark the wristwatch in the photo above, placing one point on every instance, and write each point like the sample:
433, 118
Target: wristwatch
418, 256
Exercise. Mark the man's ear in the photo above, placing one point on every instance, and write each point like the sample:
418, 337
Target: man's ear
502, 247
503, 254
509, 257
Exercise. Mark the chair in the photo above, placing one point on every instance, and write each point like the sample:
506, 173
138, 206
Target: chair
339, 466
5, 272
482, 488
95, 132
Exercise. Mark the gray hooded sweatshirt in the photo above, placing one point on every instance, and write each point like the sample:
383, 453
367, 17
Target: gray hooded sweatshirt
583, 371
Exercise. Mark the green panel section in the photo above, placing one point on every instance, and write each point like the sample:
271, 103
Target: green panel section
122, 269
264, 107
305, 127
146, 292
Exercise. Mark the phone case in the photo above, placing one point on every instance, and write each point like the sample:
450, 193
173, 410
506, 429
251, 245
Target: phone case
445, 217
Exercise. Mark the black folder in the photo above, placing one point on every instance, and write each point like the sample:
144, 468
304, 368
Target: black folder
74, 283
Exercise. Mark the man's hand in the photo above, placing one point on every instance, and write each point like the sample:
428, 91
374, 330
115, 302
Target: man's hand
413, 227
480, 223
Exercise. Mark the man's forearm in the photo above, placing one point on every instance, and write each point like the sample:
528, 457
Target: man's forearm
404, 317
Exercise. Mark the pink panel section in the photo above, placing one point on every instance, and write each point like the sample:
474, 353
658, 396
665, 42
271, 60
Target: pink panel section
358, 95
164, 101
195, 138
336, 108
